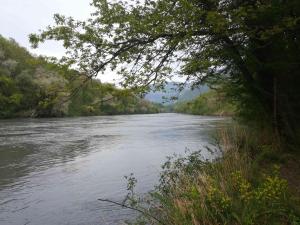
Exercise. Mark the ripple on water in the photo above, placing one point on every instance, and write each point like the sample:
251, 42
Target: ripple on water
52, 171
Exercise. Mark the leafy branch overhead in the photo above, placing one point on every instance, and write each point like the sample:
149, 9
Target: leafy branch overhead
250, 46
154, 38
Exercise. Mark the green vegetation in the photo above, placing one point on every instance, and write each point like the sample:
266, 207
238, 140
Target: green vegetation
243, 186
249, 48
105, 99
33, 87
210, 103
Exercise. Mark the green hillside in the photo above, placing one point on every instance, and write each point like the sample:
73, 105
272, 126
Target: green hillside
210, 103
33, 87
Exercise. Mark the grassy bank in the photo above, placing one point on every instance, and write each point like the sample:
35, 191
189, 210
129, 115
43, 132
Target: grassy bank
253, 181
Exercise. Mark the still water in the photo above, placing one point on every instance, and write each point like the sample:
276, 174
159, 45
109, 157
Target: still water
53, 170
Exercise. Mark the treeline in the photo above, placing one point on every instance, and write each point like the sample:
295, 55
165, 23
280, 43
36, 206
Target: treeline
210, 103
33, 87
105, 99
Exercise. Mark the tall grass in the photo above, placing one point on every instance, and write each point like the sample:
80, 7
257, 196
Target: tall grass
231, 189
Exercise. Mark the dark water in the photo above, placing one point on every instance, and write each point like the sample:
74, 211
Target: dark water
53, 170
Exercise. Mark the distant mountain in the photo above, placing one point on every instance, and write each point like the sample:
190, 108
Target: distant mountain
165, 97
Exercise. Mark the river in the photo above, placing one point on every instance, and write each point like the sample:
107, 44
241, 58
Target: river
53, 170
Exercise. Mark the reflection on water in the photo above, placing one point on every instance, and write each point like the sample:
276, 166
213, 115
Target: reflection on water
53, 170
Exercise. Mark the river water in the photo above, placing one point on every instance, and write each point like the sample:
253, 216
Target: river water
53, 170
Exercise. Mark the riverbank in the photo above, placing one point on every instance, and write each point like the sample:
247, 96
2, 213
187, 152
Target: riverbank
253, 181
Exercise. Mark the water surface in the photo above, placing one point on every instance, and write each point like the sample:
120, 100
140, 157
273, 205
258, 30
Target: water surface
53, 170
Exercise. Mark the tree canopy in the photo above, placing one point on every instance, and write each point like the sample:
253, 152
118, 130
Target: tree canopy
250, 46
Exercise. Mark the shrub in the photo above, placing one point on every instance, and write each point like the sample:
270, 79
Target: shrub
226, 190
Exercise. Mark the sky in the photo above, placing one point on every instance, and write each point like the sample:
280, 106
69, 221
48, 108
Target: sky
19, 18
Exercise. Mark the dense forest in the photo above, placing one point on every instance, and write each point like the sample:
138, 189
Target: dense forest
32, 86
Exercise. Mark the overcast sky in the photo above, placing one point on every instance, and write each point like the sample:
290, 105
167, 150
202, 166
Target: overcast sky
19, 18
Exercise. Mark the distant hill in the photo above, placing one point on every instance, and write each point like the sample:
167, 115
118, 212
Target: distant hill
165, 97
211, 103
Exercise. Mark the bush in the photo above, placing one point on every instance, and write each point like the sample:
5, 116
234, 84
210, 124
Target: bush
226, 190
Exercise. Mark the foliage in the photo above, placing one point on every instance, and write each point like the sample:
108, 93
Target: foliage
211, 103
95, 98
230, 189
28, 86
252, 47
9, 97
34, 86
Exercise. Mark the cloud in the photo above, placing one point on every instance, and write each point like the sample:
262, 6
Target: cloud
19, 18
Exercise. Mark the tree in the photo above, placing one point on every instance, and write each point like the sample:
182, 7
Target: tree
29, 86
252, 46
10, 97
